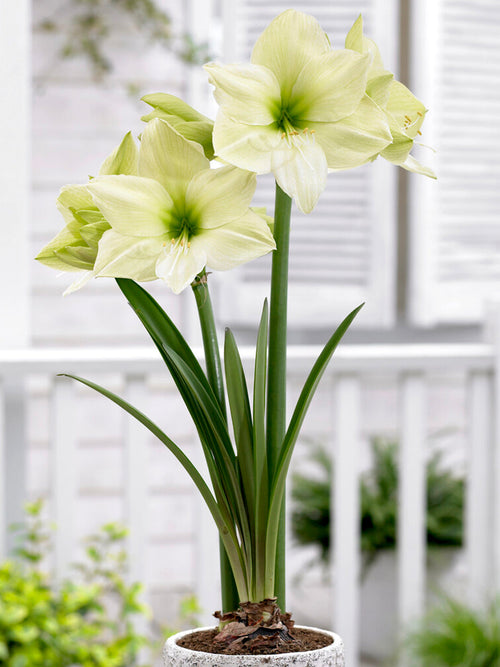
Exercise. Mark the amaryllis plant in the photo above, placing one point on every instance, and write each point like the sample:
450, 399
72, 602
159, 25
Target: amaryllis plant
161, 210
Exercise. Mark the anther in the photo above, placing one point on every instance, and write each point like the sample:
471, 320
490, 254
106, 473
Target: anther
408, 119
418, 132
419, 114
283, 135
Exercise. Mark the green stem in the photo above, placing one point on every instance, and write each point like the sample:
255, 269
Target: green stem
230, 597
276, 390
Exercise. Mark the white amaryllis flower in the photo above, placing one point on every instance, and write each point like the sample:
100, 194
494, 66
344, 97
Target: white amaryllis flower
405, 113
74, 248
298, 110
177, 215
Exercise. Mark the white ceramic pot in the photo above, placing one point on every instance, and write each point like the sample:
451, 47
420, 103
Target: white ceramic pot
329, 656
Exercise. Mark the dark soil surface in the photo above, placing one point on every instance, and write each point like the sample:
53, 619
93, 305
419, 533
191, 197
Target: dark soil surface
304, 640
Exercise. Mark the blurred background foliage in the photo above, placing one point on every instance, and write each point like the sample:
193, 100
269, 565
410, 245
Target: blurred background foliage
88, 619
86, 29
311, 495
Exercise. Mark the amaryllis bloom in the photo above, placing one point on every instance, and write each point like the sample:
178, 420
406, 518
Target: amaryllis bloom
182, 117
177, 216
298, 110
74, 248
405, 113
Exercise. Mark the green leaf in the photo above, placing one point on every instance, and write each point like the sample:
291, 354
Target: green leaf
305, 398
166, 336
260, 449
159, 325
209, 417
241, 415
225, 529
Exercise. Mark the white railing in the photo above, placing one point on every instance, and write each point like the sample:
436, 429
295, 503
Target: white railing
413, 368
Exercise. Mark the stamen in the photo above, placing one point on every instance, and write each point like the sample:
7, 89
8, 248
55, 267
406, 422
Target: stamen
408, 119
418, 132
419, 114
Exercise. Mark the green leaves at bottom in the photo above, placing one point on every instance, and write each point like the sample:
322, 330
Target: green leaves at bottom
224, 526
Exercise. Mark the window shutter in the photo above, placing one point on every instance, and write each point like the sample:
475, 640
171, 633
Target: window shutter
454, 222
343, 252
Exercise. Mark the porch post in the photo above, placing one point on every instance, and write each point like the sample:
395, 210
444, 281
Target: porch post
15, 39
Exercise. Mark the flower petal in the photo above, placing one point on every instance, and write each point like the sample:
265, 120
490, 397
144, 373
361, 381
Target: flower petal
300, 170
173, 106
356, 41
398, 151
410, 164
81, 281
247, 93
237, 242
379, 86
329, 87
167, 157
123, 160
54, 253
74, 197
216, 196
179, 265
128, 256
246, 146
287, 44
132, 205
405, 109
354, 140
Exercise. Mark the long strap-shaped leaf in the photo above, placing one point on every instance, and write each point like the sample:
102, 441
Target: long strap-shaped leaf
202, 404
165, 335
306, 395
154, 321
241, 417
225, 527
260, 452
220, 436
159, 325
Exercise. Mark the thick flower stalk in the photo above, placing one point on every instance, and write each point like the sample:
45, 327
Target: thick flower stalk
298, 109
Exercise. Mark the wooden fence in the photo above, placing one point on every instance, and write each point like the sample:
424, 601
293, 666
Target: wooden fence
411, 366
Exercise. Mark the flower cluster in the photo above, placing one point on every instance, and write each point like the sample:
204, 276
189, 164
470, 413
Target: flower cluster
299, 110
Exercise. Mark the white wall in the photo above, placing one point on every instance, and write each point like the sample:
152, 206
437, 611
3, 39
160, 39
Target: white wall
76, 124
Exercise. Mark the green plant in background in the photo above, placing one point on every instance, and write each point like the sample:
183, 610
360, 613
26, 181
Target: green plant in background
88, 26
379, 503
189, 615
87, 624
455, 635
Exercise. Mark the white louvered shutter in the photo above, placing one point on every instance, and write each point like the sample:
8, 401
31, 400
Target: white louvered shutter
455, 222
343, 252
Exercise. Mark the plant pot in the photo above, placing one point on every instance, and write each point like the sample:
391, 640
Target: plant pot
178, 656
